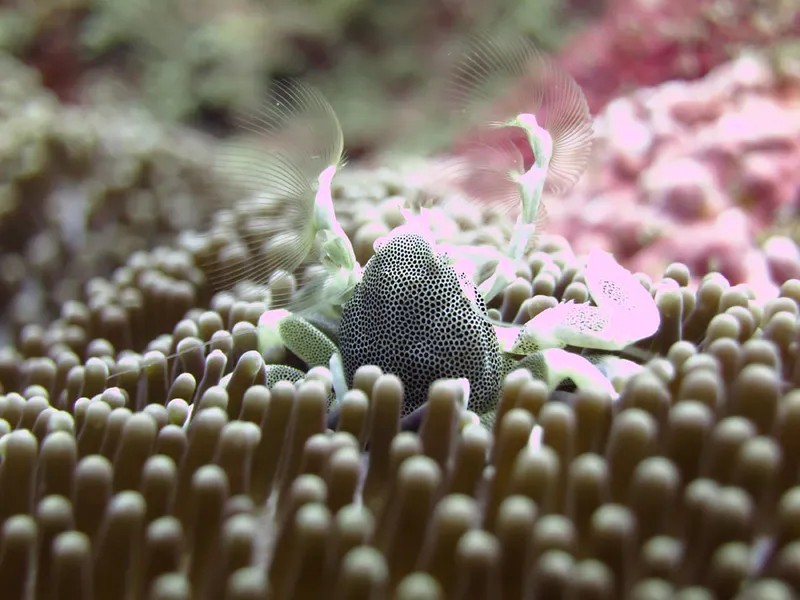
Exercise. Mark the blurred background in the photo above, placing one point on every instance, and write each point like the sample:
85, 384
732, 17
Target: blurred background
110, 110
194, 61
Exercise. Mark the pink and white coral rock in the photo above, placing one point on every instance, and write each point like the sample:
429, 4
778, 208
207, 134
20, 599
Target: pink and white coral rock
640, 43
694, 172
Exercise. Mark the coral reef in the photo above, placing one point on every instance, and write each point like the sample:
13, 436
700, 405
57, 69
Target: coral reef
641, 44
191, 477
704, 173
84, 187
158, 440
203, 61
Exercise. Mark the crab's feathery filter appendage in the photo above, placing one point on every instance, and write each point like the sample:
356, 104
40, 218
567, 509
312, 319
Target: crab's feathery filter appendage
281, 168
493, 172
483, 76
500, 79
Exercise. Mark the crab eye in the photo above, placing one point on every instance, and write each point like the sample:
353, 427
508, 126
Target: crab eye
544, 97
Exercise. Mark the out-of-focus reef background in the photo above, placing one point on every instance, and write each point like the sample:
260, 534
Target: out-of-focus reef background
189, 477
110, 110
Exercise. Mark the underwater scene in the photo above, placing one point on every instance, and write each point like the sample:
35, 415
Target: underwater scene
420, 300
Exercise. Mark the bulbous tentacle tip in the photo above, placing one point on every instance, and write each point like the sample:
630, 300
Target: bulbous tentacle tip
339, 379
468, 418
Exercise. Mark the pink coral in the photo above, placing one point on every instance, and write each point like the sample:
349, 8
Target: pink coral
783, 258
693, 172
647, 42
